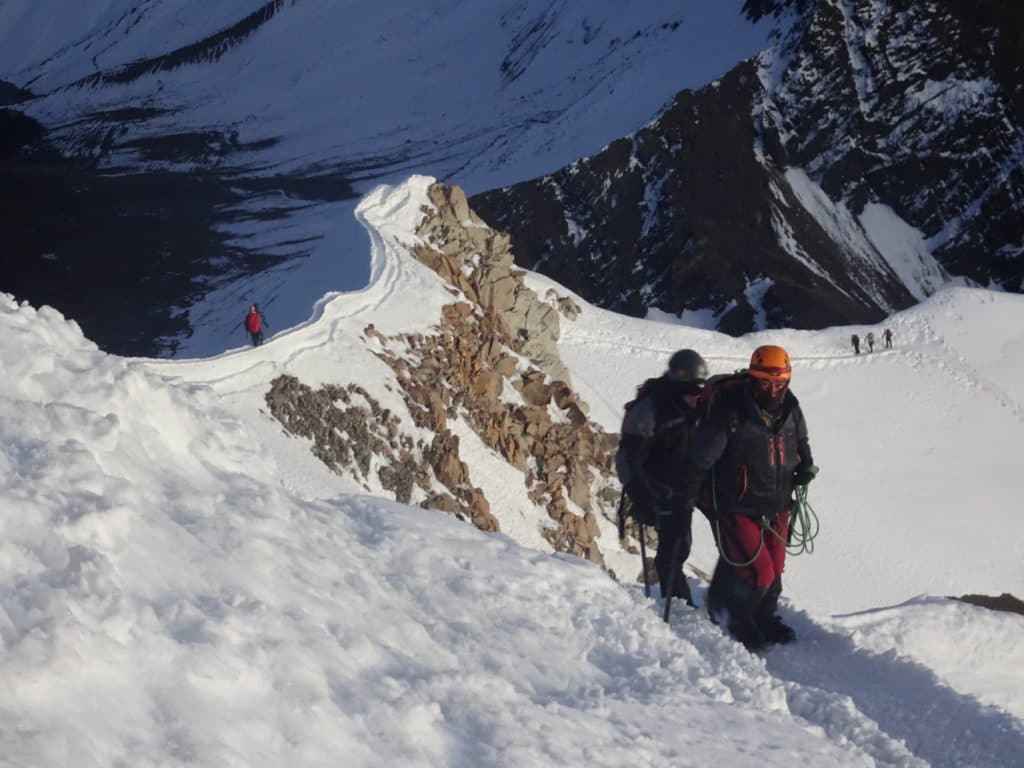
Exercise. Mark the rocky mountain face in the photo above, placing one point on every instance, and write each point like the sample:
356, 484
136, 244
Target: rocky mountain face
491, 366
874, 152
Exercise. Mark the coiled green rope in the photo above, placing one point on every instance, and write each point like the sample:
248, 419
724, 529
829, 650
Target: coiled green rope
804, 524
804, 528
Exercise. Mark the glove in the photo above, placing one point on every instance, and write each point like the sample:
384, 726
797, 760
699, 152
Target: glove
639, 493
804, 475
641, 503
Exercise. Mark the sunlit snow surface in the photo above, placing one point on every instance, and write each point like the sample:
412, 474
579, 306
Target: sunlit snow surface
184, 584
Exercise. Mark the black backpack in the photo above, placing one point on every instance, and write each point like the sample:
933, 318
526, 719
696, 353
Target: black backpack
718, 386
715, 388
626, 507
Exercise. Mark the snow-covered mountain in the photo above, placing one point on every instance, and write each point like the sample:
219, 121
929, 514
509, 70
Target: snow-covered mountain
185, 583
216, 147
873, 152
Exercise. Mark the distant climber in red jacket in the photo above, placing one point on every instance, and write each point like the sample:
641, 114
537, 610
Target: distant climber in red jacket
254, 323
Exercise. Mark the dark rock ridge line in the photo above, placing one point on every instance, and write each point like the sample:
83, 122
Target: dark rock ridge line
910, 109
206, 50
1005, 602
12, 94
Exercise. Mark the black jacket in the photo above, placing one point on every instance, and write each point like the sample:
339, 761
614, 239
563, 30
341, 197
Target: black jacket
752, 462
657, 434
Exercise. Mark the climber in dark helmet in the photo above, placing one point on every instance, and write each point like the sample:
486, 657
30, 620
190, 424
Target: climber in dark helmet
254, 323
657, 432
751, 451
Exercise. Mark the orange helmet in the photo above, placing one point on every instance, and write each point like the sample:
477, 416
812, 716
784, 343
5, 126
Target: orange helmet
770, 362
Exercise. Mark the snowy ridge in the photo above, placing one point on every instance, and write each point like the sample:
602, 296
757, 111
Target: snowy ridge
183, 583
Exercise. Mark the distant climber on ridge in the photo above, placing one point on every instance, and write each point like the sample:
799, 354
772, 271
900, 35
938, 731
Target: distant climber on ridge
657, 432
855, 340
254, 323
870, 339
754, 444
887, 338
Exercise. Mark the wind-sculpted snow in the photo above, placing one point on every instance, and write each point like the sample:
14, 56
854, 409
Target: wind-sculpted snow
181, 583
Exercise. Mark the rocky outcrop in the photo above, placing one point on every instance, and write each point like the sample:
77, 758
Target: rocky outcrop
494, 364
746, 200
352, 434
477, 260
913, 105
490, 366
12, 94
469, 371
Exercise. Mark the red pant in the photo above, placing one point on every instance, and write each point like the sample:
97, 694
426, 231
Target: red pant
741, 538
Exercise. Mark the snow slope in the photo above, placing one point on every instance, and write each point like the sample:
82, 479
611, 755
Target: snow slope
522, 87
184, 584
348, 95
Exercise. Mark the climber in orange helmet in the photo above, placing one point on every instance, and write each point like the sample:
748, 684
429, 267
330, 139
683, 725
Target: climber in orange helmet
752, 449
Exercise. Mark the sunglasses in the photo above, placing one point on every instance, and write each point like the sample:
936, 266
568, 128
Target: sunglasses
773, 372
772, 384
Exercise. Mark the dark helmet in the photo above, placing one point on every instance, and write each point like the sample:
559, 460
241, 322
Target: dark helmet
687, 365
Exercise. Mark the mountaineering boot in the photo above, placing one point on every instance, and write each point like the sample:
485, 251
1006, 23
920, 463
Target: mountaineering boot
680, 589
743, 606
673, 549
775, 630
767, 618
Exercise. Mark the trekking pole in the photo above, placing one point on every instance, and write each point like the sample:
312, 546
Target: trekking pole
643, 559
676, 568
643, 547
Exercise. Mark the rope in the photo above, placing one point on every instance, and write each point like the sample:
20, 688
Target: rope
804, 528
804, 524
721, 549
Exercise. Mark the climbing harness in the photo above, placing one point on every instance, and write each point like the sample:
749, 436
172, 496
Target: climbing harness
804, 527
